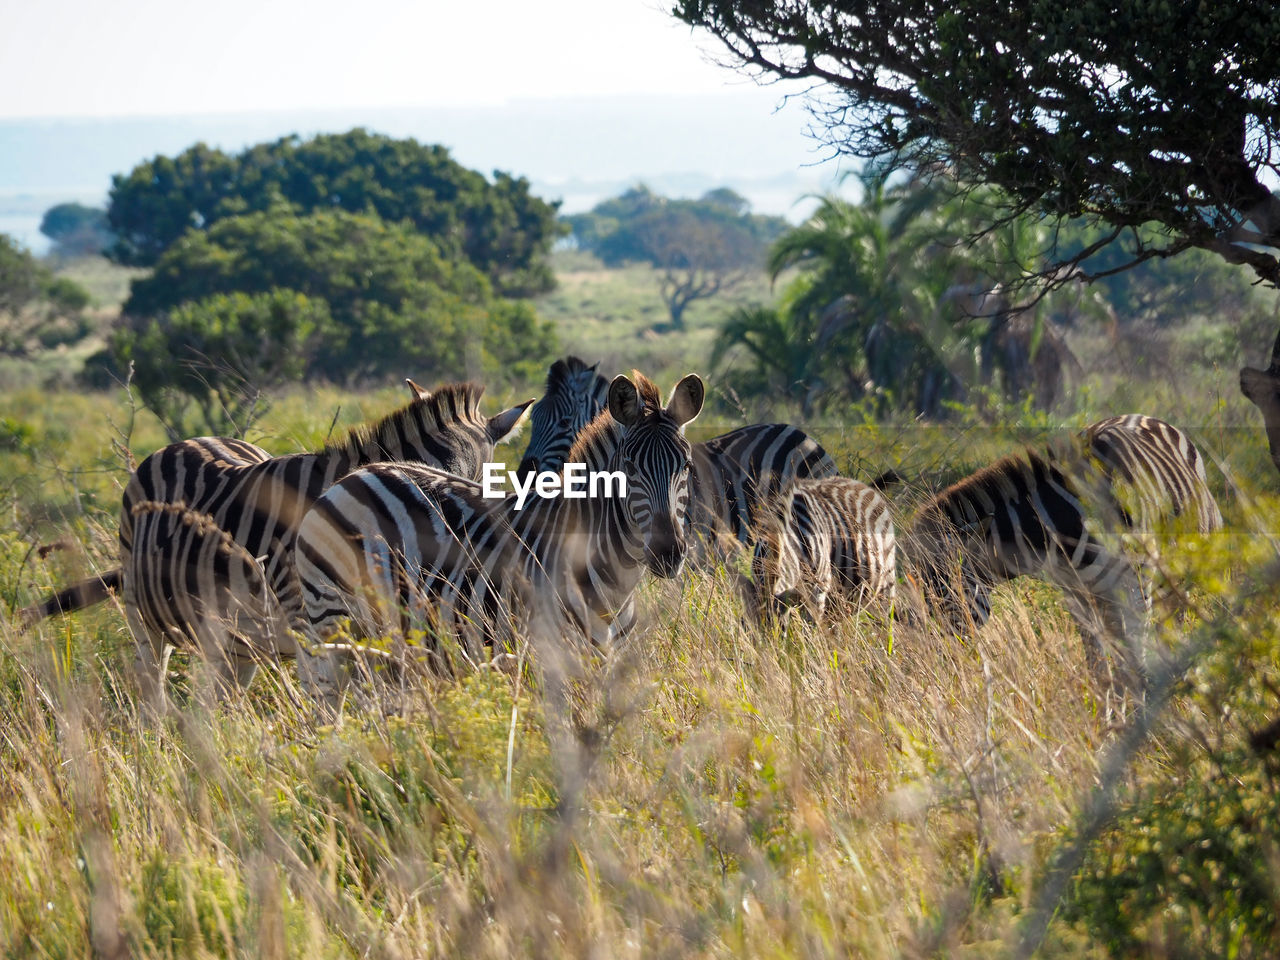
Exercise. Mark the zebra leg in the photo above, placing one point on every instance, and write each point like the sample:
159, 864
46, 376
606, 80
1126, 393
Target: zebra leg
1113, 617
150, 659
151, 674
320, 676
233, 673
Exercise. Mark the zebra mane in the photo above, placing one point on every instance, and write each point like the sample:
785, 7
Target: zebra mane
1064, 457
598, 438
649, 392
445, 406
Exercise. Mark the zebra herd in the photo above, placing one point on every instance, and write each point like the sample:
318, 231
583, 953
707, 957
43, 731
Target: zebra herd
245, 557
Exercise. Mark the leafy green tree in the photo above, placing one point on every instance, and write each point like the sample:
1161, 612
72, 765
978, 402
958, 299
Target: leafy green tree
1142, 112
37, 309
855, 310
207, 364
347, 297
605, 220
780, 360
76, 229
397, 305
700, 247
499, 226
1157, 121
887, 301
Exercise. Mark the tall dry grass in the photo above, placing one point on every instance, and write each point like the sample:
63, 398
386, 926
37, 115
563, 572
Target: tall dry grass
865, 788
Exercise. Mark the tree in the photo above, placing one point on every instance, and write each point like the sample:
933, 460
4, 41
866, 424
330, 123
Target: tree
397, 305
76, 230
499, 226
1159, 120
1149, 112
37, 309
886, 302
221, 354
700, 247
392, 305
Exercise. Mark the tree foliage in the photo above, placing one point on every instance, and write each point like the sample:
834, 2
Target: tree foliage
890, 299
76, 229
37, 309
220, 354
348, 297
498, 226
699, 247
1143, 113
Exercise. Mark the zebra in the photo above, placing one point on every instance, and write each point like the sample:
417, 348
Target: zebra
396, 547
575, 395
819, 537
1062, 516
733, 474
207, 527
737, 473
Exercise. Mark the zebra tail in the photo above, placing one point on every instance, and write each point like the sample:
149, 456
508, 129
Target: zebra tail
78, 596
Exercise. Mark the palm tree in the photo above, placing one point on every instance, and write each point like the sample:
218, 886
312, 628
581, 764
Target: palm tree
883, 298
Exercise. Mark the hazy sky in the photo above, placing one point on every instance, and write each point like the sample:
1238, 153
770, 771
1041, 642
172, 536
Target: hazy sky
128, 57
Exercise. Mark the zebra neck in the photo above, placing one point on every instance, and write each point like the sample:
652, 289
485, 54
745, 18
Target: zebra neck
337, 462
591, 539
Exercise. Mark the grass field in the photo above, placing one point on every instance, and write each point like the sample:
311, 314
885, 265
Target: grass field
868, 788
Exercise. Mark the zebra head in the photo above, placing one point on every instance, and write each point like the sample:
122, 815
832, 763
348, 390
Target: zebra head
655, 458
575, 395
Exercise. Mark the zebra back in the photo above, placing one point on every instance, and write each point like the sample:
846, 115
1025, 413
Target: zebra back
1160, 469
821, 536
575, 395
258, 501
736, 473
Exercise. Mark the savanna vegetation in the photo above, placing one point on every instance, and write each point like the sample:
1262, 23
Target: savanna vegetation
868, 787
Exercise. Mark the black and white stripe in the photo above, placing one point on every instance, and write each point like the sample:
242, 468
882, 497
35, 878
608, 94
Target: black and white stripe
575, 395
822, 539
734, 474
737, 473
1063, 517
396, 547
207, 527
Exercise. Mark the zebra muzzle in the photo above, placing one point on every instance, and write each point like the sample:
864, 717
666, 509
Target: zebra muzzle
666, 559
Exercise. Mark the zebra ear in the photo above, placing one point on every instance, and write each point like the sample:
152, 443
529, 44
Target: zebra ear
419, 393
506, 424
686, 399
624, 401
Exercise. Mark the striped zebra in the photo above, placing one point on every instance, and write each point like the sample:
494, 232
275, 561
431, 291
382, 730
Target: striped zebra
1063, 517
737, 473
399, 547
575, 395
825, 538
207, 528
733, 474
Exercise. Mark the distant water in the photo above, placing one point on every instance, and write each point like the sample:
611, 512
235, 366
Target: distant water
26, 230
